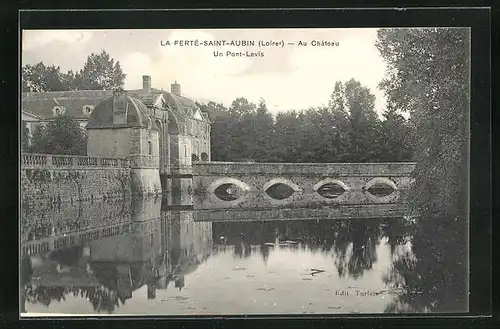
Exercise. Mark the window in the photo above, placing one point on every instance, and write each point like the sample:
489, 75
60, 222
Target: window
87, 109
58, 110
150, 148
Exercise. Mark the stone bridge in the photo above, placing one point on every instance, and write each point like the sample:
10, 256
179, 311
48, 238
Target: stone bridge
364, 189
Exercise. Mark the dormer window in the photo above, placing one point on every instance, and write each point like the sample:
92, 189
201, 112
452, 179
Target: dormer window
58, 110
87, 109
198, 115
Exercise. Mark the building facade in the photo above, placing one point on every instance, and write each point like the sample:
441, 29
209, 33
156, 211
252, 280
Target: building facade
183, 129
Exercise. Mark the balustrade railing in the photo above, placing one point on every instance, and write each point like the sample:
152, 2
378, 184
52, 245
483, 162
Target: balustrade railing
59, 161
34, 160
30, 160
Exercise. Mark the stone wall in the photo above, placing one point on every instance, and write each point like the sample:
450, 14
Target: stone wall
113, 143
53, 179
145, 181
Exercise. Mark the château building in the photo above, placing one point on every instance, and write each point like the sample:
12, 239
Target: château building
164, 124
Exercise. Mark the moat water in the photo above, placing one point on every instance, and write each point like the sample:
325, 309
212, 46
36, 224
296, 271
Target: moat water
143, 257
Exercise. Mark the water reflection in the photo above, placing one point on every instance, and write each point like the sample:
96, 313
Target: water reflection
352, 244
430, 269
105, 265
145, 257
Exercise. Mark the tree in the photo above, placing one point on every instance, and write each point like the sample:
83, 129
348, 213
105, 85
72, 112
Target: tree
40, 78
241, 106
25, 137
348, 130
220, 137
288, 136
259, 128
356, 103
38, 140
241, 127
428, 77
396, 137
99, 73
72, 80
61, 136
102, 73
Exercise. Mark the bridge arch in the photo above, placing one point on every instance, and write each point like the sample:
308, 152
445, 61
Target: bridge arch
284, 181
329, 180
381, 181
228, 180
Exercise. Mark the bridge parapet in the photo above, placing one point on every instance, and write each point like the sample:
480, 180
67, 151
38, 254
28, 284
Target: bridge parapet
314, 169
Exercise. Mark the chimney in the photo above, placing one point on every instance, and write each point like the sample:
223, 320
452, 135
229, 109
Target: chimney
175, 88
146, 83
120, 104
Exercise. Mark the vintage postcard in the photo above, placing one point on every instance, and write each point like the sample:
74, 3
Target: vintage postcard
244, 171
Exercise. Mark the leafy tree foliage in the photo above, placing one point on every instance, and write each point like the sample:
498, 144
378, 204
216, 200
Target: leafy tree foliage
220, 137
396, 137
40, 78
428, 77
347, 130
61, 136
102, 73
99, 73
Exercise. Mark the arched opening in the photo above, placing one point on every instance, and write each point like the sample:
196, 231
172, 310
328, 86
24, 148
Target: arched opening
204, 156
150, 148
194, 157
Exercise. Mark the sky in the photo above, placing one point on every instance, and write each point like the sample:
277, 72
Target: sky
287, 76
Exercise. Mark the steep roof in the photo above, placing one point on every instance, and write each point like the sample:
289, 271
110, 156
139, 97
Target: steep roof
182, 107
42, 104
138, 115
149, 99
